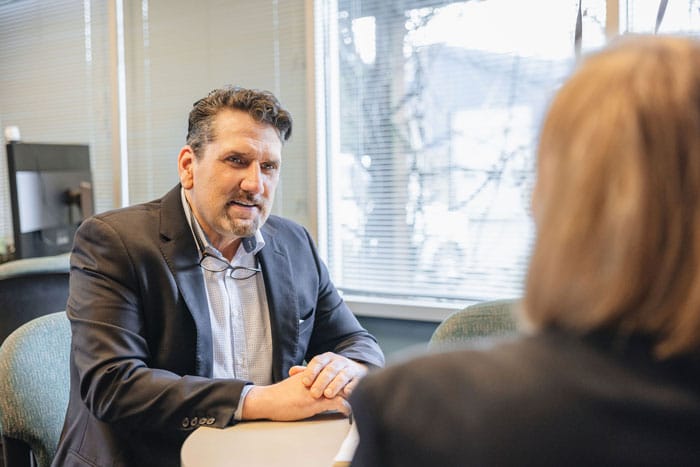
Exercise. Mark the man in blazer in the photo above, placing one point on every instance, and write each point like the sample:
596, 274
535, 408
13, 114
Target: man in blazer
199, 308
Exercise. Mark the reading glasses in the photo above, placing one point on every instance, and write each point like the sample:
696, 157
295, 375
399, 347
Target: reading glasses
212, 263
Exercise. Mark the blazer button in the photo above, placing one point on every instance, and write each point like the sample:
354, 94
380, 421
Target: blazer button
210, 420
185, 422
193, 421
202, 421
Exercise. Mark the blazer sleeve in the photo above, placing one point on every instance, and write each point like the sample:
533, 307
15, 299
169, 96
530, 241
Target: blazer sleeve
132, 353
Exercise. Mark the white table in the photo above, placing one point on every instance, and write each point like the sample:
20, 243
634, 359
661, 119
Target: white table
308, 443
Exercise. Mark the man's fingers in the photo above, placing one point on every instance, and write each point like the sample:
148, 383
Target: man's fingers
330, 373
296, 369
315, 366
347, 390
338, 383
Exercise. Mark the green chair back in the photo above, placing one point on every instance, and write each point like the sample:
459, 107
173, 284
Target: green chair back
43, 264
34, 387
475, 323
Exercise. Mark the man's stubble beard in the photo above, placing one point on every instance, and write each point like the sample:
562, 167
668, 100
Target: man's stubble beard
245, 228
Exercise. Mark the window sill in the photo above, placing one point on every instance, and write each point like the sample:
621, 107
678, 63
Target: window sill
416, 310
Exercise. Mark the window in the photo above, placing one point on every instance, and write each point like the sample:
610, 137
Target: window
431, 112
676, 17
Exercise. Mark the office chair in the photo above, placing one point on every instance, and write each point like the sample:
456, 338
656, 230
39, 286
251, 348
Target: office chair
32, 287
34, 386
476, 324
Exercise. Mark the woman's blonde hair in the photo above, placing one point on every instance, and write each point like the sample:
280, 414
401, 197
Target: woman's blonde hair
617, 199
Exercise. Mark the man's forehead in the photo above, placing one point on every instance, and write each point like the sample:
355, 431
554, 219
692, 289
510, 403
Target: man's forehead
241, 123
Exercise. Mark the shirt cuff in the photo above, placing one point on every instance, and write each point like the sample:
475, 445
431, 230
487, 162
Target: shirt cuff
239, 410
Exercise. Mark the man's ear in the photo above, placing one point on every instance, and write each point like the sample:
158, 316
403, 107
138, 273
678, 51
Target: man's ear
185, 163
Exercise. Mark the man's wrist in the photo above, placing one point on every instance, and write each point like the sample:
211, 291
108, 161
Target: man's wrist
238, 415
250, 409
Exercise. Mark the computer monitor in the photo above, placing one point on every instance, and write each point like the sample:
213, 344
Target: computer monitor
51, 193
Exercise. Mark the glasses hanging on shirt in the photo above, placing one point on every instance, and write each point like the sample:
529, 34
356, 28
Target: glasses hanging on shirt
212, 263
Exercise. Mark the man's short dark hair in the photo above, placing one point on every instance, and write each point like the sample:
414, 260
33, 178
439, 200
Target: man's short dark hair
262, 106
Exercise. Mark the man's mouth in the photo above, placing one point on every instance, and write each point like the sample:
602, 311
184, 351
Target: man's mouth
243, 203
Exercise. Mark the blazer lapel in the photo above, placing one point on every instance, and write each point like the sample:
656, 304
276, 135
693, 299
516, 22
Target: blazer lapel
181, 254
281, 298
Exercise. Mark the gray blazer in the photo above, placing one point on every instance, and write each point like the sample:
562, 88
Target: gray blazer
141, 357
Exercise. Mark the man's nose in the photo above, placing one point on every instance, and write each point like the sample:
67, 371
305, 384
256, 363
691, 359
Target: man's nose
252, 180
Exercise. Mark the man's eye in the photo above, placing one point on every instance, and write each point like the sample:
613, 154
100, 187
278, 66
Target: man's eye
235, 160
269, 167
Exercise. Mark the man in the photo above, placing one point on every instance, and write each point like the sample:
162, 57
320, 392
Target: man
198, 309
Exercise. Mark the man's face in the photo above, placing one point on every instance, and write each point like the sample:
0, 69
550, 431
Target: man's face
231, 185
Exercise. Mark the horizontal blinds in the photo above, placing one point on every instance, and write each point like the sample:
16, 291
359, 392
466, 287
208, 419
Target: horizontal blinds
432, 111
430, 108
59, 79
54, 84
